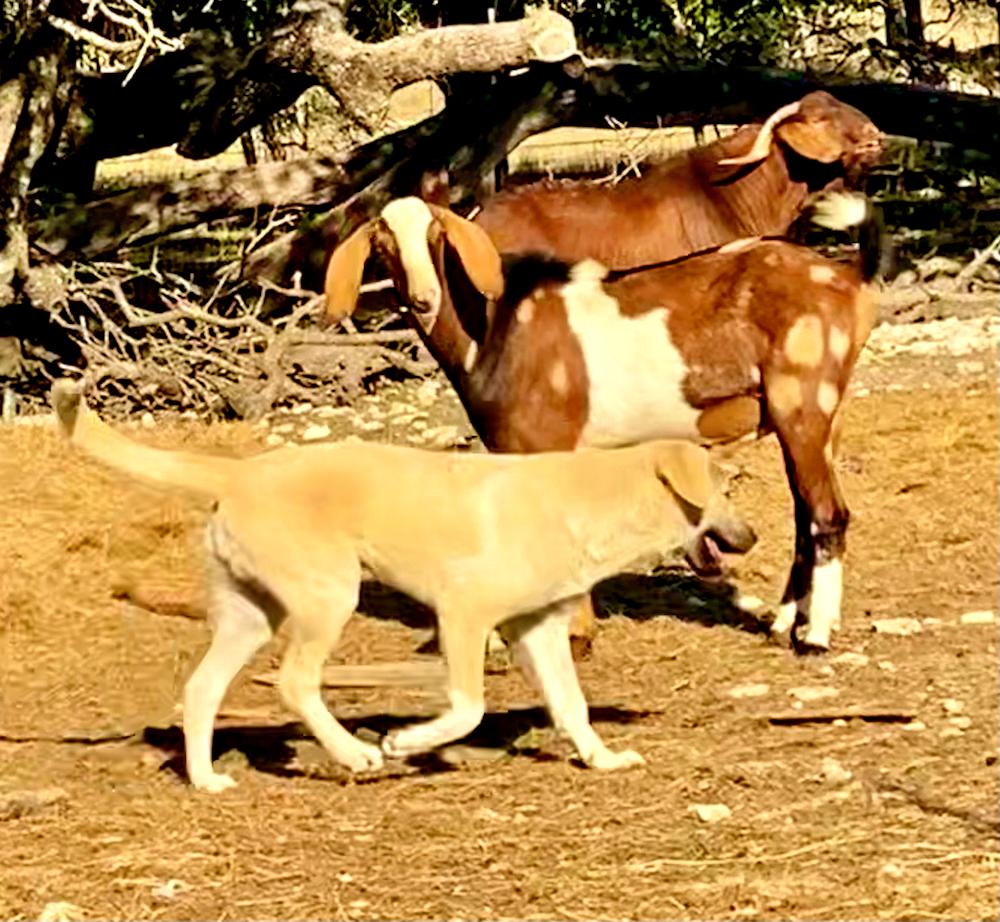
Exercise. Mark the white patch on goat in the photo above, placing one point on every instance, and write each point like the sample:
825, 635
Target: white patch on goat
744, 243
804, 341
784, 394
840, 343
525, 311
559, 378
408, 220
469, 362
784, 620
635, 372
827, 397
824, 607
821, 274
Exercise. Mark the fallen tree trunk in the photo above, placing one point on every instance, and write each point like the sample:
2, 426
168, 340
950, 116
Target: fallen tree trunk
472, 137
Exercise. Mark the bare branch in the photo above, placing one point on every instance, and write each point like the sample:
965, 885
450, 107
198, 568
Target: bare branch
92, 38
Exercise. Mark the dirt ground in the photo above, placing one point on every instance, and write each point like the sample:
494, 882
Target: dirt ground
879, 819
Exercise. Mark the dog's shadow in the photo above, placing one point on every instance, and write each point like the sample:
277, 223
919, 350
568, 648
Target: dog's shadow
272, 749
672, 592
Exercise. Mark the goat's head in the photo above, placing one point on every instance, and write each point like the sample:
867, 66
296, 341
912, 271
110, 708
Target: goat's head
689, 477
408, 233
819, 128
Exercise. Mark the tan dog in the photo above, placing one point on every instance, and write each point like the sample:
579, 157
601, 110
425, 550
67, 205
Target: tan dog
486, 540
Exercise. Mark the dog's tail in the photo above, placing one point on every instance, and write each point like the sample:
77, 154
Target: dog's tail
197, 473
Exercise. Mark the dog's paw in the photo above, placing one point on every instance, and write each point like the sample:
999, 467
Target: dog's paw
363, 758
607, 761
213, 783
394, 746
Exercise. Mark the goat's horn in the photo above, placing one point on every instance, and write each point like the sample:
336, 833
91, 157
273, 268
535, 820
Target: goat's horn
762, 144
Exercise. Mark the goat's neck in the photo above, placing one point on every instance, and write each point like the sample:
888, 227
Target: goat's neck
463, 311
767, 203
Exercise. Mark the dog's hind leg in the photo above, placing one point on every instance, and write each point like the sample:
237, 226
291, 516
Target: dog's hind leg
464, 641
240, 627
317, 619
541, 649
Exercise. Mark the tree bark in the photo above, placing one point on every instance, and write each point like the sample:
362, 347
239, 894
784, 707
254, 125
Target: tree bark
206, 95
914, 22
27, 119
471, 137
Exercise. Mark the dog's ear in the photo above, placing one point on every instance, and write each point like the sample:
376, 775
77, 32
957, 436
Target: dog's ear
474, 247
344, 272
686, 469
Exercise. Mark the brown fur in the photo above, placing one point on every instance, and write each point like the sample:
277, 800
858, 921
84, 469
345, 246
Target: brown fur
751, 325
690, 202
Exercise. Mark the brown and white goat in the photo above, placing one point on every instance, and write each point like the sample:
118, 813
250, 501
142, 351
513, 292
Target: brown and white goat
753, 182
756, 336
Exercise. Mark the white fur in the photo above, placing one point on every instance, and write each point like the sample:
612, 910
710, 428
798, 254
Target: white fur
463, 717
840, 210
743, 243
824, 607
541, 648
827, 397
408, 220
635, 371
784, 621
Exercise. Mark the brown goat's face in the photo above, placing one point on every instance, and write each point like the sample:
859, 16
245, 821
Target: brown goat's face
860, 141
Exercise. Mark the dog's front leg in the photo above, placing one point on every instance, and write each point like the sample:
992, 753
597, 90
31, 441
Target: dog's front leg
464, 643
542, 650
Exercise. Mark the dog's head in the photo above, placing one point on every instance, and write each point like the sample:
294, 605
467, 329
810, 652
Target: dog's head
408, 233
716, 527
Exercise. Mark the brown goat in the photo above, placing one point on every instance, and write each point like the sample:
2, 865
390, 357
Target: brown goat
753, 182
756, 336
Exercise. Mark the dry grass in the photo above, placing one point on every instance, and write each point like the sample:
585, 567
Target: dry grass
521, 832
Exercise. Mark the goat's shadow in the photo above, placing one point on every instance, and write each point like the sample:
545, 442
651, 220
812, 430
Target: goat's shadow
675, 592
271, 749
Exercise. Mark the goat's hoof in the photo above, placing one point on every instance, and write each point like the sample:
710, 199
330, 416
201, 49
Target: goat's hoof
608, 761
213, 783
782, 637
581, 647
809, 648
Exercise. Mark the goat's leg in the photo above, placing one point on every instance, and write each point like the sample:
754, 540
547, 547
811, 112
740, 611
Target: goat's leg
541, 649
463, 639
795, 599
816, 584
583, 628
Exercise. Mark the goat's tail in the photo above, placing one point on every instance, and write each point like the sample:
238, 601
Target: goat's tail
849, 210
195, 473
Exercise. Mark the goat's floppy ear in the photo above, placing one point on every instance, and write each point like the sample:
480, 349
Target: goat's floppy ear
474, 247
815, 131
686, 469
344, 271
814, 138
